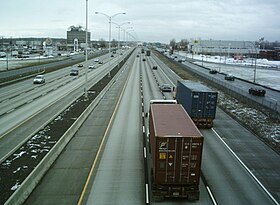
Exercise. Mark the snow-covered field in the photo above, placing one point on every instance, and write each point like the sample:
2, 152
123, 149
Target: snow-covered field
14, 63
267, 72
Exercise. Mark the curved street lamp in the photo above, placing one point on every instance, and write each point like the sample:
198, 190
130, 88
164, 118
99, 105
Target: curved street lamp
124, 31
119, 27
110, 22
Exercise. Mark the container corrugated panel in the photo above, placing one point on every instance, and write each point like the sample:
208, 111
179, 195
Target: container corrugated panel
176, 148
198, 100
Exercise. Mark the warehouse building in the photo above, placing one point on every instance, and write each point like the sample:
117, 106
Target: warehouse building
219, 47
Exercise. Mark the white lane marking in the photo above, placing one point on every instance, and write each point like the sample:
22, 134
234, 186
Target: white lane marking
211, 195
247, 169
145, 153
147, 193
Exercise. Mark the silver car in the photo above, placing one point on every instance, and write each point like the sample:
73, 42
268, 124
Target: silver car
39, 79
166, 88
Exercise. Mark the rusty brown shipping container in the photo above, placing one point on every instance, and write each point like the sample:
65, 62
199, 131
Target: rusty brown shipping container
176, 149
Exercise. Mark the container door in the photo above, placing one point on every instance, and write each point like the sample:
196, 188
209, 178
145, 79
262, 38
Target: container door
197, 104
171, 160
191, 160
166, 161
210, 105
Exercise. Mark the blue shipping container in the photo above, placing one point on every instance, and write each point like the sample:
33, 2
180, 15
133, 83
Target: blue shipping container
198, 100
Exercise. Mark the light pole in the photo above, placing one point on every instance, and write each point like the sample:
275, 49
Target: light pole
220, 65
119, 27
255, 66
86, 75
110, 22
131, 36
125, 35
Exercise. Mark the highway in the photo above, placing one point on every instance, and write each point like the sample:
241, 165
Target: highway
23, 102
39, 68
104, 162
240, 86
119, 178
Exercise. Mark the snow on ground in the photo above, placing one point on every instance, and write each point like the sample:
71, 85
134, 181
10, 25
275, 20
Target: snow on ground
266, 125
223, 59
267, 72
14, 62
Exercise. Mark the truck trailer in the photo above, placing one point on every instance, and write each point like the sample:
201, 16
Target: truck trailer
198, 100
176, 151
148, 52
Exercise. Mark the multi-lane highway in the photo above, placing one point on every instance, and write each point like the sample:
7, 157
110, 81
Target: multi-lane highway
23, 102
241, 85
104, 161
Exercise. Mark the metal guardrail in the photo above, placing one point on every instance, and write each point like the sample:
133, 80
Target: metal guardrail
233, 90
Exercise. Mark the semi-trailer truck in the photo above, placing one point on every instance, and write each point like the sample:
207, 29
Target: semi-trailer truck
176, 151
198, 100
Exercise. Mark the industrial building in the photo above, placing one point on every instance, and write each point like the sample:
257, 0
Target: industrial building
220, 47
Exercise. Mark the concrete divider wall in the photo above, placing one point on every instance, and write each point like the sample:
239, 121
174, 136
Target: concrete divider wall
22, 193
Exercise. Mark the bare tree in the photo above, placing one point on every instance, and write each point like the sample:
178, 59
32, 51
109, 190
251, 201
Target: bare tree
102, 43
183, 44
173, 44
114, 43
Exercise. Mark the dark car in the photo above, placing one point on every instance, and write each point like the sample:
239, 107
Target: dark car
259, 91
229, 77
144, 59
100, 62
154, 67
137, 56
212, 71
80, 65
165, 88
112, 55
74, 72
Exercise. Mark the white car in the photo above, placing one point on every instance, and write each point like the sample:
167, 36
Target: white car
91, 67
39, 79
96, 60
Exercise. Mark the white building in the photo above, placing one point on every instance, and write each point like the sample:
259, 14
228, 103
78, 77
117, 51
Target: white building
48, 47
219, 47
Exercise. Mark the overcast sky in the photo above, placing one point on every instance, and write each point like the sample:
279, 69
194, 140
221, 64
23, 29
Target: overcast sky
152, 20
